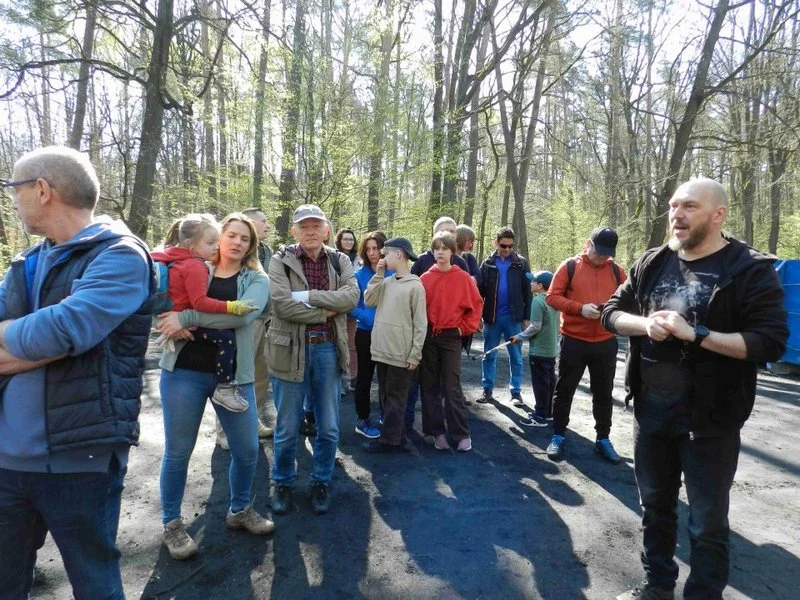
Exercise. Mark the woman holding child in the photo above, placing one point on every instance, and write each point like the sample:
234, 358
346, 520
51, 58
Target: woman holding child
189, 377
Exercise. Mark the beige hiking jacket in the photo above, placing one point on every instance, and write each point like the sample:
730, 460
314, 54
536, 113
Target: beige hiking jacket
287, 330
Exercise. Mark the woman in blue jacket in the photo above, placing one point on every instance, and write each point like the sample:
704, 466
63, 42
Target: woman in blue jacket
370, 253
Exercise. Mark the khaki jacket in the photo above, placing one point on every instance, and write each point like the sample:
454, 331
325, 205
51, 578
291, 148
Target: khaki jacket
286, 337
401, 321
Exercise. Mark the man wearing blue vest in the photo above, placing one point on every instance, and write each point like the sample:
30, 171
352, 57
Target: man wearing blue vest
74, 325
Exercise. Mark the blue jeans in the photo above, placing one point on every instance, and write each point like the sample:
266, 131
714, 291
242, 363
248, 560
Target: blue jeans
81, 512
504, 327
183, 399
321, 383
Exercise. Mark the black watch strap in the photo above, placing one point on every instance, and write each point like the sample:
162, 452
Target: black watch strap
701, 332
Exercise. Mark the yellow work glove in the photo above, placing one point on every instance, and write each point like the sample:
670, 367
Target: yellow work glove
238, 307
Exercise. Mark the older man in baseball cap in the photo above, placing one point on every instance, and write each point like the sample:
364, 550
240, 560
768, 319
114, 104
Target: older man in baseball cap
312, 289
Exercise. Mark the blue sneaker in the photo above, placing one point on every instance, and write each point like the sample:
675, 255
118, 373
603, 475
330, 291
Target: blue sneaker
604, 448
556, 448
365, 428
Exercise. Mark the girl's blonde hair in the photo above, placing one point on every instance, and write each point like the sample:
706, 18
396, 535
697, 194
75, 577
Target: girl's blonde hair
250, 259
187, 231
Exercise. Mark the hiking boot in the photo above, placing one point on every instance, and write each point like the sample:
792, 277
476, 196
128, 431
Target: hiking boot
533, 420
250, 521
378, 447
486, 398
440, 443
365, 428
556, 448
516, 400
645, 591
229, 396
320, 498
604, 448
264, 431
222, 440
180, 544
464, 445
281, 499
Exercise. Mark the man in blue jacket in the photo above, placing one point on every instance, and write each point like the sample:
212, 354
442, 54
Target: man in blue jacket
74, 325
506, 308
702, 312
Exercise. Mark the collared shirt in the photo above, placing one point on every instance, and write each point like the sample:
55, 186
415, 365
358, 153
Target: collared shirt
316, 272
503, 302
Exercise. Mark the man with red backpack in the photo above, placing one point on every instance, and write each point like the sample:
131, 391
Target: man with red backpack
580, 287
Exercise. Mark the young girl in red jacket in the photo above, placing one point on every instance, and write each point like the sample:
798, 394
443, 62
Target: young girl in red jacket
190, 243
454, 310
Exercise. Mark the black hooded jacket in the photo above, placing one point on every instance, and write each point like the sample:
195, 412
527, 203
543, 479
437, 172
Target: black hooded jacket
748, 299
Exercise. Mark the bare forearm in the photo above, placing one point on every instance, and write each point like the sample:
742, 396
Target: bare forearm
11, 365
628, 325
727, 344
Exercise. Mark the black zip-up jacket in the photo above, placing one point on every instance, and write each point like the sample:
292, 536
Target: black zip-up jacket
747, 299
519, 288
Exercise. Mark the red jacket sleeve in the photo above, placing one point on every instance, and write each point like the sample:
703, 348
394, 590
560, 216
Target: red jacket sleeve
558, 287
473, 307
196, 283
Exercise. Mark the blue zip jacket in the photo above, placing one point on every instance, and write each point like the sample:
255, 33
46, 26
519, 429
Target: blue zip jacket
363, 314
86, 298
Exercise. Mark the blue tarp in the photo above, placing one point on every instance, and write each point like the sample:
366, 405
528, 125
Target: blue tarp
789, 273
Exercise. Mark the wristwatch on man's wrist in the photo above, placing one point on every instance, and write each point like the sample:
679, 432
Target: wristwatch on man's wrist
700, 333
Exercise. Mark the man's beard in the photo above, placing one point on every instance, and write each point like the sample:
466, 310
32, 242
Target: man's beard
696, 237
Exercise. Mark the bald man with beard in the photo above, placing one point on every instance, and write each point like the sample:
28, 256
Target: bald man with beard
702, 312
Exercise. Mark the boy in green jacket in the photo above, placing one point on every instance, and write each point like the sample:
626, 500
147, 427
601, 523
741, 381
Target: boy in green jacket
543, 348
401, 323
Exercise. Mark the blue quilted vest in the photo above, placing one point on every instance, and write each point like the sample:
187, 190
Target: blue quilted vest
94, 398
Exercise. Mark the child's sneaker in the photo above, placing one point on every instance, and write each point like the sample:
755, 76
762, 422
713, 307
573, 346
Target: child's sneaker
229, 396
365, 428
533, 420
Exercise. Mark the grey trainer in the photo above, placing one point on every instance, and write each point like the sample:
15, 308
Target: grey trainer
179, 543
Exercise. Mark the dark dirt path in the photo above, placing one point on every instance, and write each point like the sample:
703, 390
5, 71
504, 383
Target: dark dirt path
500, 522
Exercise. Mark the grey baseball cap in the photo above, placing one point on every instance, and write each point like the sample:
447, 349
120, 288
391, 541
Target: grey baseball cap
308, 211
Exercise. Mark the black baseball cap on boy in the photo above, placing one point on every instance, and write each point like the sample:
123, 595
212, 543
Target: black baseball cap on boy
403, 244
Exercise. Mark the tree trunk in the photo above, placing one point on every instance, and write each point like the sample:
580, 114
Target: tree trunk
209, 152
291, 122
76, 133
261, 100
438, 117
152, 121
777, 169
684, 133
379, 122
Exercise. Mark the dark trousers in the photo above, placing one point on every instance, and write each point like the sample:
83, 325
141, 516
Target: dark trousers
662, 451
81, 512
393, 384
225, 339
366, 369
440, 369
543, 381
576, 355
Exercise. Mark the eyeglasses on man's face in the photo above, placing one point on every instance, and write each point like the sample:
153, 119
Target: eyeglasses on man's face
15, 184
506, 246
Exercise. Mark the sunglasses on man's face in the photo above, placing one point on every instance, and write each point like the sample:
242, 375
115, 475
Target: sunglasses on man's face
506, 246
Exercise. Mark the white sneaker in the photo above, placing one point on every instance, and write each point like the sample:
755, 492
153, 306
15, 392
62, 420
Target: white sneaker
229, 396
264, 431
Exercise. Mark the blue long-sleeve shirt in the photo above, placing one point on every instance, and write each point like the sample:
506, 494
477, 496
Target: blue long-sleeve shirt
112, 287
363, 314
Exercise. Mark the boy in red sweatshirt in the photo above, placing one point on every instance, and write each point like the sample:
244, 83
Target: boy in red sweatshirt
454, 310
